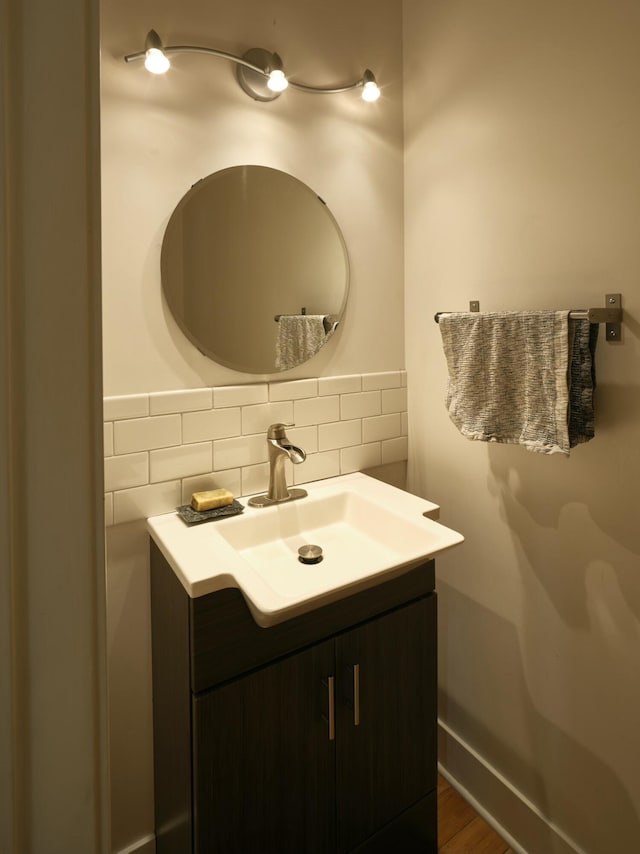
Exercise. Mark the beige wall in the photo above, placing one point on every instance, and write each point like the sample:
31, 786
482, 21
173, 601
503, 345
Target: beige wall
162, 134
523, 191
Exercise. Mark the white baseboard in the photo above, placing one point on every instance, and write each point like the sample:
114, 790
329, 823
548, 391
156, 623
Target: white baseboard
516, 819
146, 845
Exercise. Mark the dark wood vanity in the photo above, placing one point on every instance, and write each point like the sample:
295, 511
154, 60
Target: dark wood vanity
315, 735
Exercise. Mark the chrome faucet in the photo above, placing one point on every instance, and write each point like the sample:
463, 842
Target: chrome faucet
280, 449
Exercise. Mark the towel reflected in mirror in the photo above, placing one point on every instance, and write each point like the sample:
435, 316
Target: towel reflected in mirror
301, 336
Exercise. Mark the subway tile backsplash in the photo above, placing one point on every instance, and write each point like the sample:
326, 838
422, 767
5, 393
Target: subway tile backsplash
360, 405
256, 419
186, 400
126, 470
341, 434
144, 434
162, 447
390, 379
210, 424
240, 395
394, 400
381, 427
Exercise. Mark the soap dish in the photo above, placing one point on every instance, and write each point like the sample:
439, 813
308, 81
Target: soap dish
197, 517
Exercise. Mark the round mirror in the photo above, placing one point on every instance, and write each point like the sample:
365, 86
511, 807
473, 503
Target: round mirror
254, 269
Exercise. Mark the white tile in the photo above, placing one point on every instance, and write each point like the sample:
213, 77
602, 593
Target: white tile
381, 427
316, 410
125, 471
211, 424
240, 395
362, 405
183, 400
395, 450
405, 423
255, 479
317, 467
304, 437
389, 379
403, 379
181, 461
293, 390
130, 504
229, 479
394, 400
340, 385
256, 419
359, 458
239, 451
108, 509
108, 439
144, 434
341, 434
126, 406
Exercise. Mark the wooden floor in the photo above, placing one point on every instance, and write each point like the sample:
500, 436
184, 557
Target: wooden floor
460, 828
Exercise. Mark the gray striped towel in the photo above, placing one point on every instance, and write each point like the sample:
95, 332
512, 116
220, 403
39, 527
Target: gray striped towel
510, 378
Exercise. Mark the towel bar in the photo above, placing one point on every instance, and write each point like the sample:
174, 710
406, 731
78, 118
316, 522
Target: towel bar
611, 314
330, 322
277, 317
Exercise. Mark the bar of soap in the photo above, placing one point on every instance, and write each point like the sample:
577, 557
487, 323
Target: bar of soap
211, 498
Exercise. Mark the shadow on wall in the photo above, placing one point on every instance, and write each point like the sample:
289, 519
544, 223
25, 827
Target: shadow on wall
579, 515
558, 770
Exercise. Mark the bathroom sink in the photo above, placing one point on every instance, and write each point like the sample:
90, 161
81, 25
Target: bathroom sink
366, 529
356, 535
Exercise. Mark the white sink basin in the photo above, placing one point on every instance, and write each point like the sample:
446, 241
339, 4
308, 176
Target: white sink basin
367, 530
355, 534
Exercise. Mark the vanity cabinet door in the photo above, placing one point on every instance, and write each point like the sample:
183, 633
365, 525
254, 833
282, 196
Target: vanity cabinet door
385, 730
264, 764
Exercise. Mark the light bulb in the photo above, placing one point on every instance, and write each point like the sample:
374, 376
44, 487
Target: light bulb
156, 61
277, 82
370, 90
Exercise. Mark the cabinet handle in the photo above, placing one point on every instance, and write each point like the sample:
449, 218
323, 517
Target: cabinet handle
356, 695
331, 688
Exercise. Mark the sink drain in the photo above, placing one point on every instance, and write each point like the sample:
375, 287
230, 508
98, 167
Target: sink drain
310, 554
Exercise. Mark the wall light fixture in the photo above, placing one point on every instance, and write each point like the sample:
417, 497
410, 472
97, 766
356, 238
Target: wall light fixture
260, 73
